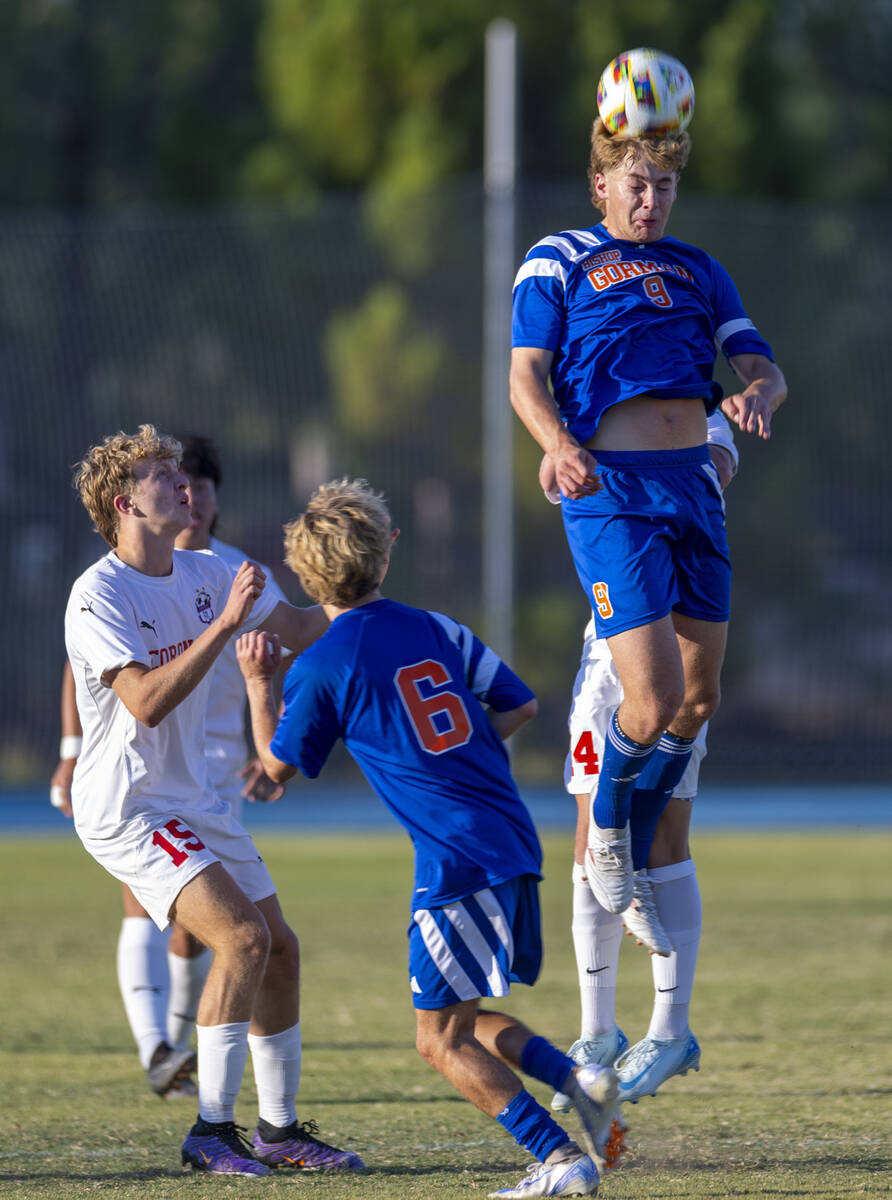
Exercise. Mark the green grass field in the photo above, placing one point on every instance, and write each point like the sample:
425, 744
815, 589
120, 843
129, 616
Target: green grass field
792, 1009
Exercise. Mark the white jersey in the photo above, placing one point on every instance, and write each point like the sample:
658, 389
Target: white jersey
597, 691
224, 739
116, 616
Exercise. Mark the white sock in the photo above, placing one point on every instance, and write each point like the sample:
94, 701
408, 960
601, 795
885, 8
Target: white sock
187, 976
276, 1062
144, 983
597, 935
222, 1054
677, 898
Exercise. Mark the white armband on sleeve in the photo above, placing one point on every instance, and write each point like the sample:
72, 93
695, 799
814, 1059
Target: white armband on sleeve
718, 433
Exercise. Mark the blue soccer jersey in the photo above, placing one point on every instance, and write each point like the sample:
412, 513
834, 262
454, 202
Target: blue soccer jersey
626, 319
405, 690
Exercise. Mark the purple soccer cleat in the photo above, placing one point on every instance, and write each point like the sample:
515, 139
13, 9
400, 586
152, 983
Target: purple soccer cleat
298, 1147
220, 1149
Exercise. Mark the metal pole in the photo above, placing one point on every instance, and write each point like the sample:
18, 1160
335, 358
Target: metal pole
498, 276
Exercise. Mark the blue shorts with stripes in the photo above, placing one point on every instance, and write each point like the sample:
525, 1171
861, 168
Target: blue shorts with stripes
476, 946
653, 540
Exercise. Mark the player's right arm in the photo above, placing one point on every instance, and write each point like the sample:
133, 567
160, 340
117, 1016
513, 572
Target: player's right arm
151, 693
575, 469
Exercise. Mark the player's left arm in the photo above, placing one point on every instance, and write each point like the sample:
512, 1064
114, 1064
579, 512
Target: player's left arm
259, 655
765, 390
506, 723
509, 702
60, 783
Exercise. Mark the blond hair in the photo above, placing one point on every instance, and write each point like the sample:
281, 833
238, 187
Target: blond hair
668, 152
339, 545
106, 471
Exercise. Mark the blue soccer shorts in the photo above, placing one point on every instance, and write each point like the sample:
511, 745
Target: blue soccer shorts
653, 540
476, 946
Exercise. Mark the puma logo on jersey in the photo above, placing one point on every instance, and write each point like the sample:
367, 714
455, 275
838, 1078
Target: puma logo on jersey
88, 607
149, 625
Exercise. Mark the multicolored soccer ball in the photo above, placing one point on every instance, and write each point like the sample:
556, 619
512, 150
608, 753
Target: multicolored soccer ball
645, 93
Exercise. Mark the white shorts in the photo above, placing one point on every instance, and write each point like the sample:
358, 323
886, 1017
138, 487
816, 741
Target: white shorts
597, 692
156, 855
231, 791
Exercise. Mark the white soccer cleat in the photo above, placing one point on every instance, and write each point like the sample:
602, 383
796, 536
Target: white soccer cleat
608, 867
642, 921
601, 1050
652, 1061
593, 1091
566, 1172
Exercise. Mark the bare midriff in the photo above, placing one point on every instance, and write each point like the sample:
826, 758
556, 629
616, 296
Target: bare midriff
645, 423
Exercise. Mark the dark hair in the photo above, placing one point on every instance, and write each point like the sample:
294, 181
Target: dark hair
200, 458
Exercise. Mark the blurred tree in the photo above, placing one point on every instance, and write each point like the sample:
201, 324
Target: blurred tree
125, 105
191, 101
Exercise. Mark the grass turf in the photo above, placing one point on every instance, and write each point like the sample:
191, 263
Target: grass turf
791, 1008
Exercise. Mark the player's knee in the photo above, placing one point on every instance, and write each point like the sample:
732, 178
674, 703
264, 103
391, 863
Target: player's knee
250, 941
285, 949
651, 716
430, 1046
698, 709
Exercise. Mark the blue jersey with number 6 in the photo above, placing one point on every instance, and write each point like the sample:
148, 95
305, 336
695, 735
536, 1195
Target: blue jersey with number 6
405, 690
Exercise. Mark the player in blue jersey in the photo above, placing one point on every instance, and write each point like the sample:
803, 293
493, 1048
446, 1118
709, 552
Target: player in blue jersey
623, 322
405, 690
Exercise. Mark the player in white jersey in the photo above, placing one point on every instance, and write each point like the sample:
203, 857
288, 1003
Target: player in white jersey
143, 628
665, 914
161, 972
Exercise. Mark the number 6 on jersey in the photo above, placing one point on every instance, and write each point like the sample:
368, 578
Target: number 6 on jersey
422, 710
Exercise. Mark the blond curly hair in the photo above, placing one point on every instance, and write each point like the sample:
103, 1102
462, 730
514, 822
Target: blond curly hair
338, 547
668, 152
106, 471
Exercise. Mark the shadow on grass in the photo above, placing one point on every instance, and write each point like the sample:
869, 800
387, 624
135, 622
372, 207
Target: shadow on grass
69, 1177
308, 1100
359, 1047
442, 1169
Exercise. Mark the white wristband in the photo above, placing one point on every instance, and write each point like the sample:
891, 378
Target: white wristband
57, 796
70, 747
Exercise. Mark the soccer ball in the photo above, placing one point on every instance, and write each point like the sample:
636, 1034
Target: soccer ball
644, 93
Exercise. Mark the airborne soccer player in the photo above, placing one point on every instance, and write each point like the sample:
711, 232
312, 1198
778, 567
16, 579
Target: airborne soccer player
406, 689
623, 322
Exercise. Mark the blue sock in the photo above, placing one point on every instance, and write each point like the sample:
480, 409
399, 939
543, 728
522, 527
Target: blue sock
540, 1060
531, 1126
624, 760
655, 789
647, 808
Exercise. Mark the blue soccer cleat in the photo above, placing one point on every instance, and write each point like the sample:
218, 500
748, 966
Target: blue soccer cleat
603, 1050
652, 1061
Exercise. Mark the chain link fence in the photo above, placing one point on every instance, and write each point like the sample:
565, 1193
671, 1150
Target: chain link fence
338, 340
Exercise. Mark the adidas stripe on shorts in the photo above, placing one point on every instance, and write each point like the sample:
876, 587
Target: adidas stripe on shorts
476, 946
